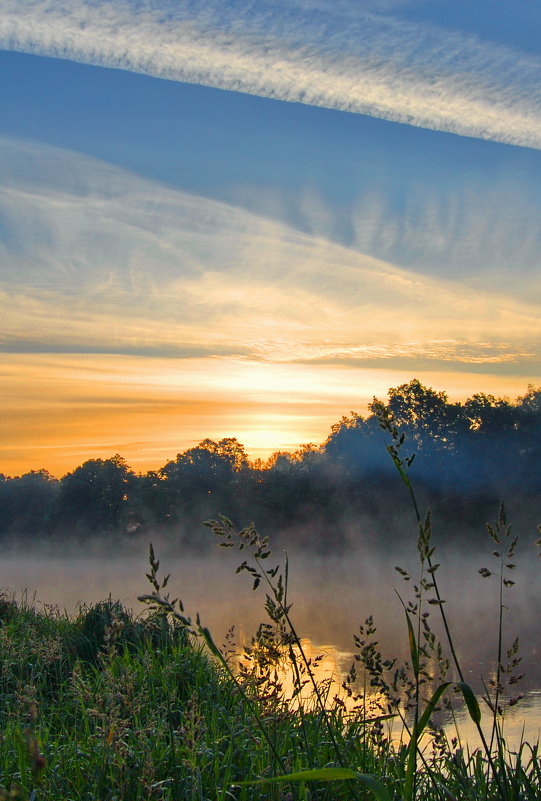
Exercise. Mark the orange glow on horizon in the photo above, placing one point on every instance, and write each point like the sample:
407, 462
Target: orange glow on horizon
60, 410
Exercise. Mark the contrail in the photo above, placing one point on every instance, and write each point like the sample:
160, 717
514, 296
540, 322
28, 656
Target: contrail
346, 59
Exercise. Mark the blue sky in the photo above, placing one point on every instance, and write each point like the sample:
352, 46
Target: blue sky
186, 250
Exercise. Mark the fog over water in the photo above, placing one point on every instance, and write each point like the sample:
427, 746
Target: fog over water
331, 594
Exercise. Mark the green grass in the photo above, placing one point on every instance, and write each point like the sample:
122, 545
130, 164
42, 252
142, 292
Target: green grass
137, 712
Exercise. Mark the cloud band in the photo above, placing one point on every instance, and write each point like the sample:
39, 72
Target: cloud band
360, 62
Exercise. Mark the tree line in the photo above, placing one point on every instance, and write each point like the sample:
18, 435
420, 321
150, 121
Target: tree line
468, 456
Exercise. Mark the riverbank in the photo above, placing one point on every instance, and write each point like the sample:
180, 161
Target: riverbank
106, 705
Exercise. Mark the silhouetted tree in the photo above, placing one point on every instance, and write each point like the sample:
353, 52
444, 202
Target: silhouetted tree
470, 455
425, 415
95, 497
203, 480
489, 415
27, 503
356, 446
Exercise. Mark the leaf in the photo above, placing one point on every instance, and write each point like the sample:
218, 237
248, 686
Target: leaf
413, 647
329, 775
471, 701
213, 648
425, 717
403, 475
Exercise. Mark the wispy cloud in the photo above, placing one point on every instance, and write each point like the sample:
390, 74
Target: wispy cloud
359, 58
475, 230
437, 350
102, 261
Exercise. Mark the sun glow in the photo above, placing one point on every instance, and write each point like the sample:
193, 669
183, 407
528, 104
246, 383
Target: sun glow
62, 409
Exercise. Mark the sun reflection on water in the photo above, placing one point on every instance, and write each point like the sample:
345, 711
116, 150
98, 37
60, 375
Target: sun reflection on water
330, 665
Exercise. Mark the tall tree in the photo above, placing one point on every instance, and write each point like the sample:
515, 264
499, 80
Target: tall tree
96, 496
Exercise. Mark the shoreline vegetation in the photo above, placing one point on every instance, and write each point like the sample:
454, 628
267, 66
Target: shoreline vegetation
470, 455
108, 705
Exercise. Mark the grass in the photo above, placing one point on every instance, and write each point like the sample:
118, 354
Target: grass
109, 706
139, 715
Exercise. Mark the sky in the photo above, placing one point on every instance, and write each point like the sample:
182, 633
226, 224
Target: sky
245, 219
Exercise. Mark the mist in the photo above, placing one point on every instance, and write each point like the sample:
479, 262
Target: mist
331, 594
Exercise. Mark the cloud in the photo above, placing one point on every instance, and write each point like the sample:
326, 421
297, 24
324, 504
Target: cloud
102, 261
364, 59
475, 229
